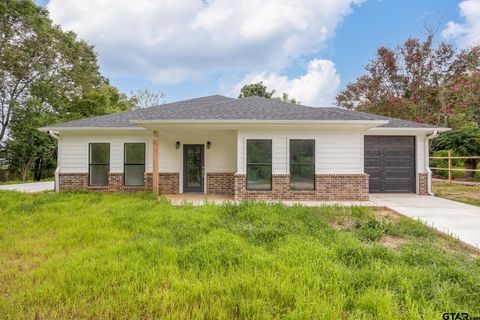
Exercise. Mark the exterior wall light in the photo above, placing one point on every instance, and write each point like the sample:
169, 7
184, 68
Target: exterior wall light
209, 144
177, 145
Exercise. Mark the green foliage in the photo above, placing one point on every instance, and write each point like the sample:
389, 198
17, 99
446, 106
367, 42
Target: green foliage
464, 141
28, 148
285, 98
46, 76
89, 255
260, 90
419, 82
256, 89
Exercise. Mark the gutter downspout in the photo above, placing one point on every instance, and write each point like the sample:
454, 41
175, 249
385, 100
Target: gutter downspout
57, 170
427, 161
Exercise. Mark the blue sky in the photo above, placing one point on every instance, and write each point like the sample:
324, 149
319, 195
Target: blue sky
328, 51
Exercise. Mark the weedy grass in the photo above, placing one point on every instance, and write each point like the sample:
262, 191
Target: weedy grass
92, 255
458, 192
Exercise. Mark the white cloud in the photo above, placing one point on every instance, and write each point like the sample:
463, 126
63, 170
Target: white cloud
317, 87
468, 32
169, 41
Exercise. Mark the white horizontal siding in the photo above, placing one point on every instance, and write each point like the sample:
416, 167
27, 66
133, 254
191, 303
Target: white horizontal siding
337, 150
221, 157
73, 153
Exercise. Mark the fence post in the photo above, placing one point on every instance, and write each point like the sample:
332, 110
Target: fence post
449, 165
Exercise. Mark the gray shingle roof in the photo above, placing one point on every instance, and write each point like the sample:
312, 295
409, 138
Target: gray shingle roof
224, 108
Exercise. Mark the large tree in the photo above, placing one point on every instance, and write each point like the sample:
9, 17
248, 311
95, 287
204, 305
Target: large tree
418, 81
46, 76
33, 50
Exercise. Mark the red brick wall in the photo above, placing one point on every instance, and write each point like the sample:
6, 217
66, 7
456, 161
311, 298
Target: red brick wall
79, 181
422, 184
220, 183
327, 187
168, 183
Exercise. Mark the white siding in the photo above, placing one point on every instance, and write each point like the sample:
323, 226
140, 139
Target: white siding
221, 157
337, 150
73, 155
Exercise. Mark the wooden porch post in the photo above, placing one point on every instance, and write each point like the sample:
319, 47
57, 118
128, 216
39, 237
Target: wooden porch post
155, 162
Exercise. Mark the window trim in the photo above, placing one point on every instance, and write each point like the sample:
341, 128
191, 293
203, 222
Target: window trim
271, 166
93, 164
302, 164
134, 164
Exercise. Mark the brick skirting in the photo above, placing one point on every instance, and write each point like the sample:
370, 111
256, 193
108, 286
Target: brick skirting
327, 187
423, 184
167, 182
220, 183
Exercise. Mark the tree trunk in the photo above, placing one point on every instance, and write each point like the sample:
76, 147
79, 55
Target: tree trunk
443, 106
24, 171
38, 169
471, 164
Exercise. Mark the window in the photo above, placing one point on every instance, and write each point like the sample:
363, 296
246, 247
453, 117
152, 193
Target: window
134, 164
302, 164
98, 164
259, 164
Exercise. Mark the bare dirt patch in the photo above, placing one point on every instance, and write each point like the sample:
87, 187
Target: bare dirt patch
391, 242
384, 212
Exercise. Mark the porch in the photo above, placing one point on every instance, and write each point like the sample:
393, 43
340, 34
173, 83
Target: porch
194, 160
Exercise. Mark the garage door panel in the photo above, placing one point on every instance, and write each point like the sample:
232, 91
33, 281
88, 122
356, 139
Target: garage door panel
398, 175
390, 163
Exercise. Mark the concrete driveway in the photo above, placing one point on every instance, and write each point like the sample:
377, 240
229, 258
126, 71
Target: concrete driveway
458, 219
29, 187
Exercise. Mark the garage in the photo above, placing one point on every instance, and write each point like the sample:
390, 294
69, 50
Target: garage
390, 163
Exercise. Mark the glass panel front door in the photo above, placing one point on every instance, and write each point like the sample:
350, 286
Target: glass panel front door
193, 168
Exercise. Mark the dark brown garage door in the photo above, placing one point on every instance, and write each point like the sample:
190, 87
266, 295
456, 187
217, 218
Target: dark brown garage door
390, 162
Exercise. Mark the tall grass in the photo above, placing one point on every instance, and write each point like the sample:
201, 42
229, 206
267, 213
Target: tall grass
87, 255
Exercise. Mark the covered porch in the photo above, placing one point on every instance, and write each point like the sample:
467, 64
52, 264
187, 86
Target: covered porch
193, 159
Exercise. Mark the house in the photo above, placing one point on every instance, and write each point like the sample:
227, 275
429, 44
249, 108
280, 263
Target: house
251, 148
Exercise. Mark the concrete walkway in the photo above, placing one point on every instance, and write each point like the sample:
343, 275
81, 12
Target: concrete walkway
458, 219
29, 187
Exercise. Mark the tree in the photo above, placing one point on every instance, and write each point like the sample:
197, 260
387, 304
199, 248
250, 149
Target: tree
260, 90
144, 98
255, 89
46, 76
26, 147
416, 82
33, 50
464, 141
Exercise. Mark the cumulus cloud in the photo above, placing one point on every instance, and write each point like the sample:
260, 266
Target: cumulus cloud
466, 33
169, 41
317, 87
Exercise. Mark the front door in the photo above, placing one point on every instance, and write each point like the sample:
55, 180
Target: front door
193, 168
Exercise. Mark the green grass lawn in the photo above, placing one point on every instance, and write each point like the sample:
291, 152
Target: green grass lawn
87, 255
457, 192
